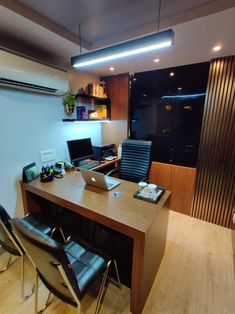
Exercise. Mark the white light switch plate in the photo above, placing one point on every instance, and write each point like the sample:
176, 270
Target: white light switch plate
48, 155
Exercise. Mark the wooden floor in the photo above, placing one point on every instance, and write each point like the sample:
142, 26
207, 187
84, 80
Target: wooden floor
196, 276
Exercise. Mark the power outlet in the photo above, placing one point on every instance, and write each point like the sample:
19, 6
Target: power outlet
48, 155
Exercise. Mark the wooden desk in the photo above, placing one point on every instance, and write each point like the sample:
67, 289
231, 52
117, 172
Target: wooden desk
144, 222
106, 163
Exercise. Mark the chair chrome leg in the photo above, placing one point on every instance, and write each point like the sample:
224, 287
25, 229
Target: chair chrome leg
25, 297
61, 233
101, 292
79, 308
117, 274
36, 293
7, 265
48, 302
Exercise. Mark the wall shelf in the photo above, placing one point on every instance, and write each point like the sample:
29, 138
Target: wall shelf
90, 108
94, 98
86, 120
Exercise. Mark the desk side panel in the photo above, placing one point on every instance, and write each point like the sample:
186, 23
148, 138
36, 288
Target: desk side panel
29, 202
155, 241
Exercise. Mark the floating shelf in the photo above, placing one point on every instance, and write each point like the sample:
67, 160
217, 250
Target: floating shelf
98, 99
86, 120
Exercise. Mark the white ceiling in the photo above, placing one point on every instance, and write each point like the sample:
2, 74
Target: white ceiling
48, 30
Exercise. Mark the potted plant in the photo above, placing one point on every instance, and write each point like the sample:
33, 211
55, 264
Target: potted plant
69, 101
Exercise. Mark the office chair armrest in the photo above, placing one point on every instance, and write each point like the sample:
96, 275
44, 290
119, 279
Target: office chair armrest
111, 172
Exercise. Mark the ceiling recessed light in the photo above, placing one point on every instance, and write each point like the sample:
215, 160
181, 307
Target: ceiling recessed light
111, 69
179, 88
217, 48
156, 60
172, 73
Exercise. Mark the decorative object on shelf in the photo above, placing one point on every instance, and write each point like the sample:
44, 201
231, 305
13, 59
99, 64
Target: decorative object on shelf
93, 114
81, 112
69, 101
96, 89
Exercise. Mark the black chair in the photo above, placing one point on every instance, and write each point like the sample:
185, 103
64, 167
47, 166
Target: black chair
67, 270
10, 243
136, 160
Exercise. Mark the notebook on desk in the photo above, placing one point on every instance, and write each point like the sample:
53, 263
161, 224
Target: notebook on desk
98, 179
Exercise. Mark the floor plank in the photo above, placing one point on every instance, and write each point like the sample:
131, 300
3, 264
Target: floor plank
196, 276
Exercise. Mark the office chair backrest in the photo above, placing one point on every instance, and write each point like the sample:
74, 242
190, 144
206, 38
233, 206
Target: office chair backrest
7, 238
136, 160
46, 254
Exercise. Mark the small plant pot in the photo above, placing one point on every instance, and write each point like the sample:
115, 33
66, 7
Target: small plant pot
69, 109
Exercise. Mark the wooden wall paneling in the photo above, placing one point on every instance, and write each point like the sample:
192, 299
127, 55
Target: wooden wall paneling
117, 88
214, 194
182, 185
160, 174
206, 148
179, 180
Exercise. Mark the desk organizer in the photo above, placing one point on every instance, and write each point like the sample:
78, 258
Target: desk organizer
157, 194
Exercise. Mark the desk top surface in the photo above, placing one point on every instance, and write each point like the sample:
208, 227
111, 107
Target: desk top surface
125, 213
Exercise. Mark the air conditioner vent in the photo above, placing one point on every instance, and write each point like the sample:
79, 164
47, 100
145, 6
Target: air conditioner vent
27, 85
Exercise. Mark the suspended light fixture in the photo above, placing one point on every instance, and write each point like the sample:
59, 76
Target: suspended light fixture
132, 47
128, 48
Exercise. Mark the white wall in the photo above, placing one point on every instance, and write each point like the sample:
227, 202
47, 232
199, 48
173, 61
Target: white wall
30, 122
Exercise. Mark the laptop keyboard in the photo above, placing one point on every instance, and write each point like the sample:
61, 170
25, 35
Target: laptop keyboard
90, 165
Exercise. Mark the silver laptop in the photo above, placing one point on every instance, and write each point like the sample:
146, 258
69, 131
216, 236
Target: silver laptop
98, 179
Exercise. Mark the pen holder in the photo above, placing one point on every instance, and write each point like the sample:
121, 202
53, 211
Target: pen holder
47, 174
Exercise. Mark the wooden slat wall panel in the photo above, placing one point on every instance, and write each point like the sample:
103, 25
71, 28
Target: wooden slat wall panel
215, 187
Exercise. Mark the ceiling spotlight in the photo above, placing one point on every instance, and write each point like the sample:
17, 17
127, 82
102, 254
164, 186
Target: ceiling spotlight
128, 48
156, 60
217, 48
179, 88
111, 69
172, 73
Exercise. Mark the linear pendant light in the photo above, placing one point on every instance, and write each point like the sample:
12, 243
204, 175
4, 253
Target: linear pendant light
128, 48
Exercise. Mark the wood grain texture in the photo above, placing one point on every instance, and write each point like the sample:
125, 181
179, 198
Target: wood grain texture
179, 180
215, 187
106, 163
117, 89
196, 276
125, 214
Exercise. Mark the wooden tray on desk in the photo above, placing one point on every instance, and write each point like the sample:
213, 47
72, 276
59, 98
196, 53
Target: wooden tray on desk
160, 192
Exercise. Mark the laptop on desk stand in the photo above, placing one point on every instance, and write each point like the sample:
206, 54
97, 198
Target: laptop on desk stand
99, 179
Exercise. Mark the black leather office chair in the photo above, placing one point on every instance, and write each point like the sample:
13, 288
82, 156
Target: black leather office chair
10, 243
136, 160
67, 270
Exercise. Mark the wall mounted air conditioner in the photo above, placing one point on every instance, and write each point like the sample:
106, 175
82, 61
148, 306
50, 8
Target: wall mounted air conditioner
23, 73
